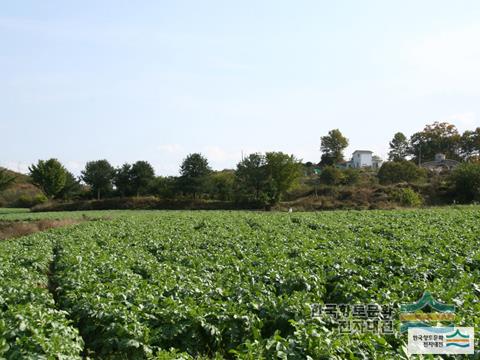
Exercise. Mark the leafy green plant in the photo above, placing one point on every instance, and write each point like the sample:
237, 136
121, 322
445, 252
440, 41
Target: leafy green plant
407, 197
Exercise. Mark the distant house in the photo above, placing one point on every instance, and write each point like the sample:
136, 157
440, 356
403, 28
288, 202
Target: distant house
364, 159
440, 163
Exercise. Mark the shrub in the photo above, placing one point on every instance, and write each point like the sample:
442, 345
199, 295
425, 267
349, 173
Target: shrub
350, 176
26, 201
407, 197
394, 172
466, 182
330, 175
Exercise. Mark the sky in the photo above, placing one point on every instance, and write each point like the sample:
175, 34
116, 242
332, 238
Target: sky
157, 80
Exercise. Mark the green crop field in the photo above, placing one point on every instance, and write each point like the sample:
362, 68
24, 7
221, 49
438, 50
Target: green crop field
181, 285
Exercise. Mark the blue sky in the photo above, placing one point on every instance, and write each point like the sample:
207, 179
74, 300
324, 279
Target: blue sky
156, 80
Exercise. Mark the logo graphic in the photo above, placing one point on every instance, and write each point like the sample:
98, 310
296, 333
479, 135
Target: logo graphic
410, 315
458, 339
440, 340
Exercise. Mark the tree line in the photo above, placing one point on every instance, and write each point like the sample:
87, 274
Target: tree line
267, 178
262, 178
439, 137
404, 155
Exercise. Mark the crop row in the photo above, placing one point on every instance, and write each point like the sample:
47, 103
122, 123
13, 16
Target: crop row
31, 326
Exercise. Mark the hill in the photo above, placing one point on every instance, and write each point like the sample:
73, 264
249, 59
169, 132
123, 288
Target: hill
22, 193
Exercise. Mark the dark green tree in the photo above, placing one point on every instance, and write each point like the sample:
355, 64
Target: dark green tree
5, 179
222, 185
251, 176
435, 138
350, 176
393, 172
466, 182
50, 176
193, 174
142, 174
399, 147
72, 188
330, 175
282, 171
332, 147
99, 175
165, 187
123, 180
470, 144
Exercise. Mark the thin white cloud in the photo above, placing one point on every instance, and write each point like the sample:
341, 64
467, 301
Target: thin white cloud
171, 148
218, 154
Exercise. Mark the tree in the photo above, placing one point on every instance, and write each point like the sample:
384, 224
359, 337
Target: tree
466, 181
50, 176
222, 185
470, 144
435, 138
164, 187
282, 171
393, 172
407, 197
398, 147
250, 175
142, 174
330, 175
267, 177
350, 176
193, 174
123, 180
72, 187
5, 179
99, 175
332, 146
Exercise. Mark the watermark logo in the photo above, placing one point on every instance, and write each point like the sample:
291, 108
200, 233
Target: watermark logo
414, 315
441, 340
357, 318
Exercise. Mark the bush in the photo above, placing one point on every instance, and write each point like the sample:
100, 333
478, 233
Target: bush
407, 197
350, 176
466, 182
26, 201
330, 175
147, 203
394, 172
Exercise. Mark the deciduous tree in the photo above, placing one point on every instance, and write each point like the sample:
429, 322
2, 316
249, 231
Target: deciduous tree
193, 174
142, 174
123, 180
50, 176
99, 175
466, 181
470, 144
282, 171
393, 172
251, 175
435, 138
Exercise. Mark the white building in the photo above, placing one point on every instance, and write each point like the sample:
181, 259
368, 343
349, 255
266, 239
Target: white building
364, 159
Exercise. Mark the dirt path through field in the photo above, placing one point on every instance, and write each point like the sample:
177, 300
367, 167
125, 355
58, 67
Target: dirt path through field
14, 229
